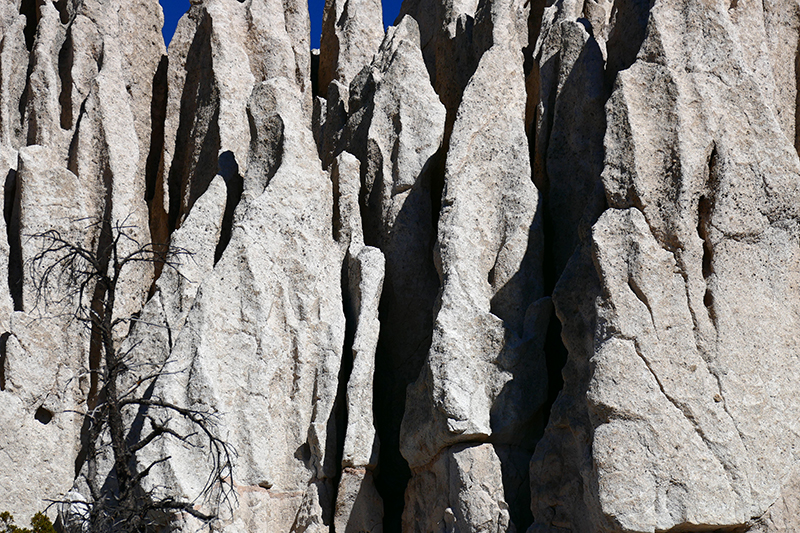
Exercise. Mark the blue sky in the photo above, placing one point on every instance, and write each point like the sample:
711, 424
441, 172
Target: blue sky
174, 9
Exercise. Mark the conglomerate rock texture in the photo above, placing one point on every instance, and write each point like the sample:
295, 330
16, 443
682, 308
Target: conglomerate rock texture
507, 265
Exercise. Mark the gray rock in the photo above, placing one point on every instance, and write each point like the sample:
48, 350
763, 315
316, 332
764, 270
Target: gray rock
562, 463
74, 139
352, 31
630, 165
286, 313
687, 436
395, 128
220, 50
488, 256
358, 505
461, 490
491, 319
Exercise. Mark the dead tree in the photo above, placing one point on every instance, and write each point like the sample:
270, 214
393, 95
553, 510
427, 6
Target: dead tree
86, 281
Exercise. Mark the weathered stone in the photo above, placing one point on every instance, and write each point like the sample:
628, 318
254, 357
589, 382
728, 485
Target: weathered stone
695, 220
488, 256
285, 313
491, 319
561, 463
45, 352
38, 458
85, 112
14, 56
194, 244
359, 508
661, 136
220, 50
352, 31
460, 490
395, 128
358, 505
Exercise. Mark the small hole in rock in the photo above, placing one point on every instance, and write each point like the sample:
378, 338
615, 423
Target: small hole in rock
43, 415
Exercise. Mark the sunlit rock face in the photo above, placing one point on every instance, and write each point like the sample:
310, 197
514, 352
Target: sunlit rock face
503, 266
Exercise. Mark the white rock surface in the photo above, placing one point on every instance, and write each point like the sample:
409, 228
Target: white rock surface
75, 138
396, 126
488, 256
628, 167
690, 435
490, 322
352, 31
220, 50
358, 505
461, 490
285, 314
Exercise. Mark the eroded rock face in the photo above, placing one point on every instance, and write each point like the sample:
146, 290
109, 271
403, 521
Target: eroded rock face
286, 314
688, 228
353, 32
395, 128
517, 266
489, 325
76, 132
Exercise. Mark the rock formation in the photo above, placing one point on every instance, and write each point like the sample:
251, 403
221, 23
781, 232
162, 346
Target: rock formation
503, 266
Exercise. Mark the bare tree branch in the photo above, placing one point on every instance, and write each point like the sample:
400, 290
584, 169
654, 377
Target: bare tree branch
81, 283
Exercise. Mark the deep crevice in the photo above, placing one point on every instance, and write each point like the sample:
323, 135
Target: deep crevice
11, 216
314, 73
554, 350
555, 358
30, 9
515, 475
626, 38
705, 206
437, 186
158, 114
72, 153
65, 61
337, 221
64, 11
531, 70
797, 98
704, 212
198, 139
104, 245
3, 356
402, 349
154, 167
23, 106
345, 370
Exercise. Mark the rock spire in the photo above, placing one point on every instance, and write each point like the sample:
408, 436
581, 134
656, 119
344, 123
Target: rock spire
504, 266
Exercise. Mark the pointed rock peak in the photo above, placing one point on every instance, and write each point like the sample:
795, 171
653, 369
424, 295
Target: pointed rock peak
352, 30
406, 30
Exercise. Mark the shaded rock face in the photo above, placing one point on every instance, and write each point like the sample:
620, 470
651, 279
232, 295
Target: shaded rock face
504, 266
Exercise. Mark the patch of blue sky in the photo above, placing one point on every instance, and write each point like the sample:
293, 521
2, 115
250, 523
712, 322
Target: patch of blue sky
175, 9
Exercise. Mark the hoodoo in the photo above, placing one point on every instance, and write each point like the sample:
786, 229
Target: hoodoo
504, 266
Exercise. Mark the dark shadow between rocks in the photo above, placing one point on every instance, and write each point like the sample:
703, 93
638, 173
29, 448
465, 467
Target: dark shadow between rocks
3, 357
30, 9
228, 168
406, 316
198, 140
11, 215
